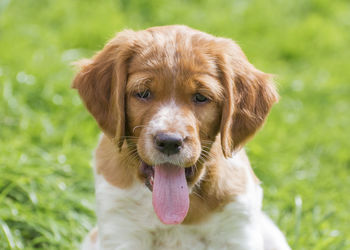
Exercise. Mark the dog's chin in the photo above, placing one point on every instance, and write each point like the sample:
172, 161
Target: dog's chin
147, 172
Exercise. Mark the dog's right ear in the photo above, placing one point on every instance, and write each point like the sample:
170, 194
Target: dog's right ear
101, 84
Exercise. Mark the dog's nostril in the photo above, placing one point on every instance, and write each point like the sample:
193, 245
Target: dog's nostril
168, 143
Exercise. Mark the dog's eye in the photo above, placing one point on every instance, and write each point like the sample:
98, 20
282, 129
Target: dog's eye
146, 94
199, 98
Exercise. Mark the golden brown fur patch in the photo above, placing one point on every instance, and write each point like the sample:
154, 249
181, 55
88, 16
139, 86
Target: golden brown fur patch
116, 167
220, 185
93, 235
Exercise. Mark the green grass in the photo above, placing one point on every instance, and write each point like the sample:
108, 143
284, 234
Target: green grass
302, 154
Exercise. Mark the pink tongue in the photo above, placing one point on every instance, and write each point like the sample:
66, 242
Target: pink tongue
170, 193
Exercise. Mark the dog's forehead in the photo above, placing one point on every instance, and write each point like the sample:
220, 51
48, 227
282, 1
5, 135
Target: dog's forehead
175, 54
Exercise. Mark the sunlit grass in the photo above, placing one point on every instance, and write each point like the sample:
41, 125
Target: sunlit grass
302, 154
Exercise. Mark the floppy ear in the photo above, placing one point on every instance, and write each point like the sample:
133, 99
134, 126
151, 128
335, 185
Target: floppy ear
250, 94
101, 85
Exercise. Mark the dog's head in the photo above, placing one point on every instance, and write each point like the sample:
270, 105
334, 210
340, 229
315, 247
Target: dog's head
166, 94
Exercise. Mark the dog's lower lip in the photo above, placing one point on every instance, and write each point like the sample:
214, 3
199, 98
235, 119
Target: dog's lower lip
189, 171
147, 171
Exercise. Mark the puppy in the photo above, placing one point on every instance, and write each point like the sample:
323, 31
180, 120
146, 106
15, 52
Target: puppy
176, 106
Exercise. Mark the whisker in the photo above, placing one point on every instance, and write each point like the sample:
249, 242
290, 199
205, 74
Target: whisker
207, 141
139, 126
198, 195
132, 158
207, 152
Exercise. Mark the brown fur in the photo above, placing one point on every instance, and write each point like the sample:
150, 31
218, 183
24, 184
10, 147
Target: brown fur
116, 167
220, 185
175, 62
93, 235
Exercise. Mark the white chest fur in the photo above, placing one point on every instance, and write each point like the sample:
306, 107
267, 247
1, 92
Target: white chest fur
126, 220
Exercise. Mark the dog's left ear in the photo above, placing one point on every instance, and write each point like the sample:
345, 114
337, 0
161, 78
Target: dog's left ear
250, 95
101, 84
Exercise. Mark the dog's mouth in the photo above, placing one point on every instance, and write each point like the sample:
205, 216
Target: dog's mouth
170, 194
147, 171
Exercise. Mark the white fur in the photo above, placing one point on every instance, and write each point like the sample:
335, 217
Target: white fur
160, 123
126, 220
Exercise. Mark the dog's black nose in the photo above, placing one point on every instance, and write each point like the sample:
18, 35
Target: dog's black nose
168, 143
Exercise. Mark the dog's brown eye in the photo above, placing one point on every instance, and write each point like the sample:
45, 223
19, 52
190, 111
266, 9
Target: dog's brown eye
146, 94
199, 98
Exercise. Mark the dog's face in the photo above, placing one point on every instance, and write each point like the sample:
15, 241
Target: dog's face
173, 105
168, 92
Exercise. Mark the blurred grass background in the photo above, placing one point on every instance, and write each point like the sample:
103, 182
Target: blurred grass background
46, 136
